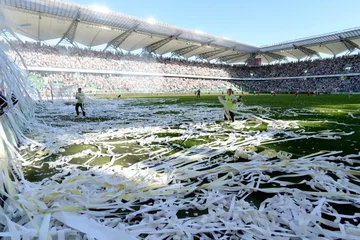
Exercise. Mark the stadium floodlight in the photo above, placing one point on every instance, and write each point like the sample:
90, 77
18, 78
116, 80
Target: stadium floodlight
151, 20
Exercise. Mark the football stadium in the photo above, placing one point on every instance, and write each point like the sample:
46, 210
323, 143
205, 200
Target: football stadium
115, 127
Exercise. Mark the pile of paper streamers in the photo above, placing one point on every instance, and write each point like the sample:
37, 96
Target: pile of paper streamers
227, 186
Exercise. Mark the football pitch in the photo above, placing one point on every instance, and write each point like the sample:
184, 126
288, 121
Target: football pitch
170, 166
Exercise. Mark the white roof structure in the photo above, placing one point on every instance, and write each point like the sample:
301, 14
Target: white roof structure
44, 20
331, 43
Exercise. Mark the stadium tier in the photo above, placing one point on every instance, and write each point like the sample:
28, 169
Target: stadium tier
38, 55
319, 85
110, 72
107, 84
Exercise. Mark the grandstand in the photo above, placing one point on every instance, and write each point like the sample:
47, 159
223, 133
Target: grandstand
100, 72
119, 33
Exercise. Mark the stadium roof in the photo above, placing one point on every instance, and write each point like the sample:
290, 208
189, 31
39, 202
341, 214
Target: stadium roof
331, 43
44, 20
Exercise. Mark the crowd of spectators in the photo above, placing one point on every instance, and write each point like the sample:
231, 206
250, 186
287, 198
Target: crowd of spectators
321, 85
41, 55
69, 57
105, 83
327, 66
108, 84
37, 55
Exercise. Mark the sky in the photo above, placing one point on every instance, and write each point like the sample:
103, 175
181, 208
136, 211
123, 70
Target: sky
254, 22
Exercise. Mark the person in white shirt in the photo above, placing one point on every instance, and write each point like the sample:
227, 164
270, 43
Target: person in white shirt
80, 96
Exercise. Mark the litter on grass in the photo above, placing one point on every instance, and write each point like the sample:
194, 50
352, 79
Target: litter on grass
148, 169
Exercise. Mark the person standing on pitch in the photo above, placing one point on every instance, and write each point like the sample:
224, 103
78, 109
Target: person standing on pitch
230, 104
198, 93
80, 102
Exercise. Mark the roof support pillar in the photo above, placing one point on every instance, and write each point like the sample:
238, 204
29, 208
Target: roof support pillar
207, 55
69, 35
181, 52
116, 42
156, 45
232, 56
275, 56
350, 45
266, 57
202, 45
307, 51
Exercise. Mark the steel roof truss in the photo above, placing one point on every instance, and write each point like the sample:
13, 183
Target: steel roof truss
69, 35
185, 50
207, 55
156, 45
116, 42
350, 45
265, 56
307, 51
231, 57
190, 49
274, 56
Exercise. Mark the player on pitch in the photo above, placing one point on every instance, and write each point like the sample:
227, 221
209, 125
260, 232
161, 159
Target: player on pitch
80, 96
229, 106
